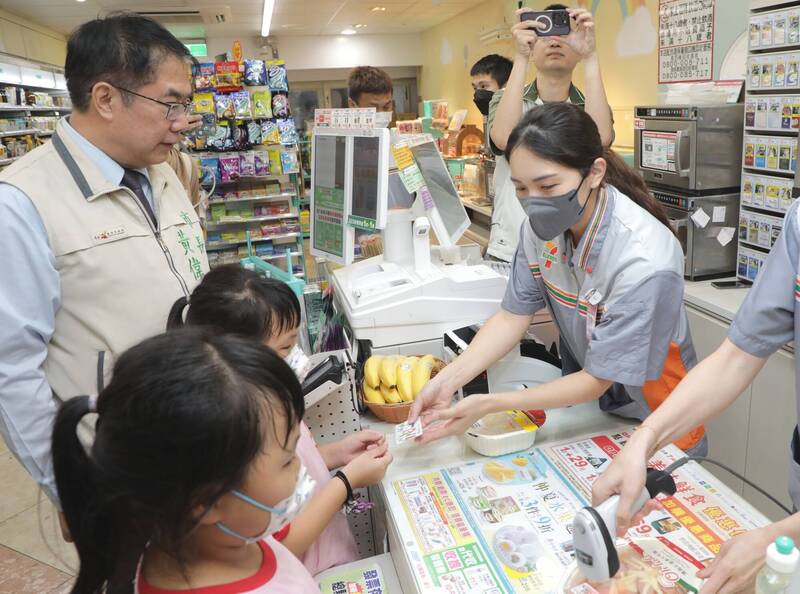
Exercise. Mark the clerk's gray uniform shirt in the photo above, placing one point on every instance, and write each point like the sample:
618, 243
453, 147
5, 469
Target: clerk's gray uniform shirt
617, 300
770, 316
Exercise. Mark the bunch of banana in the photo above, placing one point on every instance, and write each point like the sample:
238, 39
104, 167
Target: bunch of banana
396, 379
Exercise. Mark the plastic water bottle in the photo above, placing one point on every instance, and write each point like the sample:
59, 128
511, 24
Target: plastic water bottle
782, 560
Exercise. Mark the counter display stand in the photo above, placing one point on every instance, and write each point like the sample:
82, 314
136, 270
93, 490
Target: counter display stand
772, 120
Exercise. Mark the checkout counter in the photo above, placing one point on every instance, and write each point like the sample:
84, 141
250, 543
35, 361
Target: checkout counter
456, 537
742, 437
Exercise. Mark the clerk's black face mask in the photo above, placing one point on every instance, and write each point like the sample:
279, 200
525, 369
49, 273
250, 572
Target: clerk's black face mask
482, 98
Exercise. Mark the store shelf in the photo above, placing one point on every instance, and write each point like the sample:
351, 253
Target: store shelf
221, 245
278, 217
778, 131
24, 132
265, 198
4, 162
280, 256
755, 246
252, 178
34, 108
45, 132
773, 172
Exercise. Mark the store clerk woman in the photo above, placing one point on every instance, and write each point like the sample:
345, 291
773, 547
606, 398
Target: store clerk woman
768, 319
597, 250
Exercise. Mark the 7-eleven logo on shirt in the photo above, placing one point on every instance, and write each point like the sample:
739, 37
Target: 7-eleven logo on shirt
797, 288
549, 254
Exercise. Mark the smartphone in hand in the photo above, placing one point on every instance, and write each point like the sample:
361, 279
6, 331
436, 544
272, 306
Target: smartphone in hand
555, 22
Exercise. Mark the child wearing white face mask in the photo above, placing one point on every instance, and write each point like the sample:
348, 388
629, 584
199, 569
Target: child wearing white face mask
233, 300
192, 471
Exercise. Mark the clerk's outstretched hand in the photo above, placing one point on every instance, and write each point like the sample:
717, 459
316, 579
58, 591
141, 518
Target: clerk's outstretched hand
626, 477
454, 420
435, 396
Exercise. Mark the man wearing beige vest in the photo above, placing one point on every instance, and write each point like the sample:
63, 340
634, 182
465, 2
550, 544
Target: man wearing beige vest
97, 233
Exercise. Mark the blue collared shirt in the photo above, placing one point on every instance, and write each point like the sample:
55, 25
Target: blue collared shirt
30, 296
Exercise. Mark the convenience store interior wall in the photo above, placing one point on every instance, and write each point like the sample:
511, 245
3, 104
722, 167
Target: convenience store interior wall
452, 47
445, 53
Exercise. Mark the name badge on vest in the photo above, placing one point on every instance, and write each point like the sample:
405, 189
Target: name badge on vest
110, 234
593, 298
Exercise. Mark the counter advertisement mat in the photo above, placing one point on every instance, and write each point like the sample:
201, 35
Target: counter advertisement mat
692, 524
504, 524
489, 526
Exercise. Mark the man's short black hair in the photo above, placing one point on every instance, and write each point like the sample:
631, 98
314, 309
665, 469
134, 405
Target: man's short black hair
556, 7
367, 79
496, 66
123, 49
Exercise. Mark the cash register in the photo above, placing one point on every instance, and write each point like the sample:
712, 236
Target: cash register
408, 297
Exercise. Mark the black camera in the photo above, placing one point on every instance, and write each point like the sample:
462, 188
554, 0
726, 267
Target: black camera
556, 22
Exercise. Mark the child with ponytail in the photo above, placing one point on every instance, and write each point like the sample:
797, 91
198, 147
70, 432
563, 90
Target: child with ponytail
192, 471
234, 300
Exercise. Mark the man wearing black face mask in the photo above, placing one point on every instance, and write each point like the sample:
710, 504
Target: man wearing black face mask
555, 59
489, 75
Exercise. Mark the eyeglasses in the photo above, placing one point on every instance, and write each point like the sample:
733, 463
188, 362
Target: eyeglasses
174, 110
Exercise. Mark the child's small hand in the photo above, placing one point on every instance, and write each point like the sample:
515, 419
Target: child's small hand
352, 446
369, 468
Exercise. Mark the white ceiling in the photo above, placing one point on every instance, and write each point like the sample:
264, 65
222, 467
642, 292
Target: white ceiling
291, 17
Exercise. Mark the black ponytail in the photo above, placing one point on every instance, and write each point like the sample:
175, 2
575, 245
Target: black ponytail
175, 318
179, 425
76, 487
567, 135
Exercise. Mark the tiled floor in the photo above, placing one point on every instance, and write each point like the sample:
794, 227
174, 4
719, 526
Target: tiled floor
33, 557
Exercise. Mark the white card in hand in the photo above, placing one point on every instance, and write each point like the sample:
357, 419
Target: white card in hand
405, 431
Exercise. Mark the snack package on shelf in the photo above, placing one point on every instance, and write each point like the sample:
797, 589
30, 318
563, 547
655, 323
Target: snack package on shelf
209, 170
254, 133
287, 133
218, 212
229, 167
241, 104
270, 133
229, 78
255, 73
204, 77
275, 163
289, 162
280, 105
203, 103
262, 104
247, 164
261, 162
276, 76
224, 106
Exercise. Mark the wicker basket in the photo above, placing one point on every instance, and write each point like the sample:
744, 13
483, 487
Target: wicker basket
398, 413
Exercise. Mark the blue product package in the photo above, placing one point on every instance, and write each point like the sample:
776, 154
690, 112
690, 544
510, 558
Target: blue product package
276, 77
210, 167
255, 74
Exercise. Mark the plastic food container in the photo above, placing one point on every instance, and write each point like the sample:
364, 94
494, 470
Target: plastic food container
505, 432
647, 566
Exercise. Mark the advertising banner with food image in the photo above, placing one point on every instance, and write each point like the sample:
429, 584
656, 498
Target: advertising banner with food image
514, 513
505, 524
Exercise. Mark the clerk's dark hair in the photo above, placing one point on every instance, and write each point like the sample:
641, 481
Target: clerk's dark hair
123, 49
567, 135
233, 300
183, 418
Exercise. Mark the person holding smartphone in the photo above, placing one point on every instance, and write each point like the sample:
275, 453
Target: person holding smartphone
555, 59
